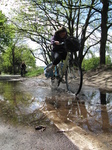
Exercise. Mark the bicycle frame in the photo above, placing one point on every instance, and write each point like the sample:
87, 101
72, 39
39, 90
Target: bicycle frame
73, 74
66, 63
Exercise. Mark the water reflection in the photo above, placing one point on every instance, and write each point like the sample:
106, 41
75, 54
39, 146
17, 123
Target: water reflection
103, 98
94, 113
18, 106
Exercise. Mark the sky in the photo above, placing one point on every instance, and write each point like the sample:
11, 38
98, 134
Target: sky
6, 6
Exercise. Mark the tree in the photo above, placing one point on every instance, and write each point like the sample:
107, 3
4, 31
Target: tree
76, 16
4, 33
104, 30
13, 46
13, 57
39, 19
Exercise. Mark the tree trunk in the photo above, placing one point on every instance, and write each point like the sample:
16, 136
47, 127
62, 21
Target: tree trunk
13, 59
104, 29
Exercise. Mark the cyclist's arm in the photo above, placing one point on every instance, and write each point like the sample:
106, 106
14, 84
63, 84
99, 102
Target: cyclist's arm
54, 41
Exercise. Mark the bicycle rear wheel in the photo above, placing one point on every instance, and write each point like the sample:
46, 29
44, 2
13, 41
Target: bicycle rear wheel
74, 78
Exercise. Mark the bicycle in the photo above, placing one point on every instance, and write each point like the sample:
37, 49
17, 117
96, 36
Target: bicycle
69, 69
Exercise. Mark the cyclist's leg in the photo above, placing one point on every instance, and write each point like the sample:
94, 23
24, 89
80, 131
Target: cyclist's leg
53, 65
63, 55
56, 61
56, 58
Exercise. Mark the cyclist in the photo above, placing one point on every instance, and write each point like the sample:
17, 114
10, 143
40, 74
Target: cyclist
58, 51
23, 68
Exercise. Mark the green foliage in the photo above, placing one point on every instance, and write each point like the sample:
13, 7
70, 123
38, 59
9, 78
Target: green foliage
20, 54
2, 33
32, 72
6, 33
93, 62
108, 60
6, 60
25, 55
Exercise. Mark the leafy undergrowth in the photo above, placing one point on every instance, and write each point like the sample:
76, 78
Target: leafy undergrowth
35, 72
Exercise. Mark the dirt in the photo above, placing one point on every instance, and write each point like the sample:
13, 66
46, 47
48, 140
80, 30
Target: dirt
25, 137
100, 78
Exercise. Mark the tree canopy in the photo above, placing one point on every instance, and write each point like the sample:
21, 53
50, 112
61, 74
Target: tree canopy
12, 53
5, 35
37, 20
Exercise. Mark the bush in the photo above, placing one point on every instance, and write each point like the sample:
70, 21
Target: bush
35, 72
91, 63
108, 60
94, 62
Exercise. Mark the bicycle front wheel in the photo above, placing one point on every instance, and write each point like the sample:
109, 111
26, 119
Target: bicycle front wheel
74, 78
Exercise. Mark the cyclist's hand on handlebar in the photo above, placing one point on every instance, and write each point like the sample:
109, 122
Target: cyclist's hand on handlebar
57, 42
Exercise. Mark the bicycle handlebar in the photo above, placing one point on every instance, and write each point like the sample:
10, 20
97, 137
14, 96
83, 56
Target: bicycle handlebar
62, 43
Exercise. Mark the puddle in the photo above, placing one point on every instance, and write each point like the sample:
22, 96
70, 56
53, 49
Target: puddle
92, 111
18, 106
96, 111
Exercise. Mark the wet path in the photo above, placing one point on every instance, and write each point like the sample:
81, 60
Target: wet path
19, 112
31, 102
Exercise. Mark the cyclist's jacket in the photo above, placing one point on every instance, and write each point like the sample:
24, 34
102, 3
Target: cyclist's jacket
58, 48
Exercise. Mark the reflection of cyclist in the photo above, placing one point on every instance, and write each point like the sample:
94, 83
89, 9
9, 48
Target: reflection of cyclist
58, 52
23, 68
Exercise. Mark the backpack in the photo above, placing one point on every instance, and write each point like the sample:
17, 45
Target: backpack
72, 44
